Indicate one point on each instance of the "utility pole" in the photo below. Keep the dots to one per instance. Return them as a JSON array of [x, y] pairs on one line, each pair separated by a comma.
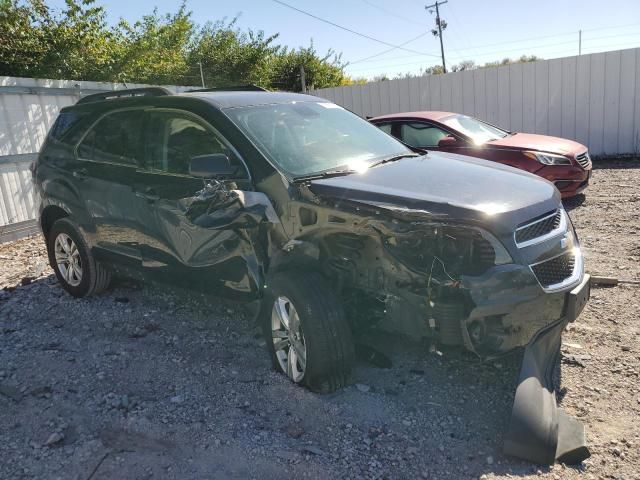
[[579, 42], [303, 80], [201, 75], [441, 26]]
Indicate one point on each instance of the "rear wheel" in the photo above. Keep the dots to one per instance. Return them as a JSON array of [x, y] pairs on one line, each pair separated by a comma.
[[306, 332], [72, 261]]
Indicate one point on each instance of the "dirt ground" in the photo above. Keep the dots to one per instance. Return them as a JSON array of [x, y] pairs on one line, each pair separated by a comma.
[[147, 382]]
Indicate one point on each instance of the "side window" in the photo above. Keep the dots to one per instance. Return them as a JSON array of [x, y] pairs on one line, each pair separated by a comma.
[[63, 124], [175, 138], [116, 138], [418, 134], [385, 127]]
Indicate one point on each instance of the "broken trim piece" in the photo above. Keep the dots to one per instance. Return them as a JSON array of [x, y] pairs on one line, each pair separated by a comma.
[[538, 430]]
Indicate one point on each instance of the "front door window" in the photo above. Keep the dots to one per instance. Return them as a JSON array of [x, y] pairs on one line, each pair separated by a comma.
[[419, 134]]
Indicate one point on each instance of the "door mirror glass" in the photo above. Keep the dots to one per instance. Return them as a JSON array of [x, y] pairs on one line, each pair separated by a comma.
[[448, 141], [211, 166]]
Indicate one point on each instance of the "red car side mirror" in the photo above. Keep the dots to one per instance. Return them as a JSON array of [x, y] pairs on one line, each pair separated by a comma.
[[448, 141]]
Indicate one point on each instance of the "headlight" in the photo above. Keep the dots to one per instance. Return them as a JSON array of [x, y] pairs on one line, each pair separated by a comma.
[[548, 158]]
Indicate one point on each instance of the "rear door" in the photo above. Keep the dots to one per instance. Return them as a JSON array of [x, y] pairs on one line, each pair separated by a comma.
[[178, 247], [109, 155]]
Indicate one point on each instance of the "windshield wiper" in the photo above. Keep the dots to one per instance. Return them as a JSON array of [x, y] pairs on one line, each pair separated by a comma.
[[325, 174], [394, 158]]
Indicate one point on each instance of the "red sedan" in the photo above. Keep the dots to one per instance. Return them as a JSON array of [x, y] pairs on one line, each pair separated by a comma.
[[564, 162]]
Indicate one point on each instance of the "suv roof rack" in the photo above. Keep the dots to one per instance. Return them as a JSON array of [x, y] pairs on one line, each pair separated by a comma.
[[132, 92], [232, 88]]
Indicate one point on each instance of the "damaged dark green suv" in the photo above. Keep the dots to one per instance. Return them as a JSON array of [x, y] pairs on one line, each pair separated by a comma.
[[327, 224]]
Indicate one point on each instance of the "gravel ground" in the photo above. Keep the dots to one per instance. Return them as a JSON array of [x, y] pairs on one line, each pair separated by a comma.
[[148, 382]]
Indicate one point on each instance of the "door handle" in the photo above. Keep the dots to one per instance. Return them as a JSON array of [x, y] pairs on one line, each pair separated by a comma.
[[80, 173], [149, 195]]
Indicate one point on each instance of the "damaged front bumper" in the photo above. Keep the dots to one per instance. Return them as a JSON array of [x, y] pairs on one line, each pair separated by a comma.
[[539, 431], [510, 309]]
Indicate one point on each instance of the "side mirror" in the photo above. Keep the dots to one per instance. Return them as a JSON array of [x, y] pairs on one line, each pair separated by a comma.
[[448, 141], [211, 166]]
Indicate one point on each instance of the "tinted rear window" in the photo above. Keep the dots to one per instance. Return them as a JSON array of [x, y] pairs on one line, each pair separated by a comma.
[[63, 124]]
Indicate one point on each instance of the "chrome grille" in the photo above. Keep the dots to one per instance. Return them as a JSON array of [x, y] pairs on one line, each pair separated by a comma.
[[584, 160], [555, 270], [533, 231]]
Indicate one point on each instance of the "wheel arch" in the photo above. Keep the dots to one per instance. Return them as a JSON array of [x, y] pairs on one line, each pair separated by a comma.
[[50, 214]]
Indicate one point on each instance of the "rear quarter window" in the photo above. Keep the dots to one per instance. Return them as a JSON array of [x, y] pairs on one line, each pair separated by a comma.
[[385, 127], [63, 125]]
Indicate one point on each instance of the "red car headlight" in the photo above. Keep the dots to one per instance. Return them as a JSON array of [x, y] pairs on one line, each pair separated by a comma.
[[548, 158]]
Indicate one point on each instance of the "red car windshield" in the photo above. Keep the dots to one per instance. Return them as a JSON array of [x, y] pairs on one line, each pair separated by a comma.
[[479, 131]]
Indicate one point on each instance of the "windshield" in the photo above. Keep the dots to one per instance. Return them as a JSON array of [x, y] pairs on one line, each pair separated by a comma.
[[304, 138], [479, 131]]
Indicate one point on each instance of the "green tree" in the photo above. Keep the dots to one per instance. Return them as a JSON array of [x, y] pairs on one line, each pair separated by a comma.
[[155, 49], [22, 45], [320, 72], [230, 56], [73, 43], [77, 43]]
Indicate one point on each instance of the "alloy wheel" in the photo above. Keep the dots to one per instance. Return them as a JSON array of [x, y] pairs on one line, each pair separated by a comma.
[[68, 259], [288, 339]]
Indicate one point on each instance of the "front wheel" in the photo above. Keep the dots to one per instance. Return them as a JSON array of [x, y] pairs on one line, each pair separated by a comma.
[[306, 332]]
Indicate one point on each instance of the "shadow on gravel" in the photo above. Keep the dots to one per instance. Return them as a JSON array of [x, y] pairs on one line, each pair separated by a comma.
[[574, 202], [180, 368], [616, 163]]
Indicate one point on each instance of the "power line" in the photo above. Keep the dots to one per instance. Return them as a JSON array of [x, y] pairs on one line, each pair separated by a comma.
[[476, 47], [352, 31], [585, 39], [498, 53], [548, 36], [555, 51], [393, 14], [391, 49], [459, 24]]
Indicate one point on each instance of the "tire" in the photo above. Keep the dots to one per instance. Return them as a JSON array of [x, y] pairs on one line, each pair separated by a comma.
[[93, 277], [324, 333]]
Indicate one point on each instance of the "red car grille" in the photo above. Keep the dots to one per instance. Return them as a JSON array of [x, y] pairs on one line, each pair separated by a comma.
[[584, 160]]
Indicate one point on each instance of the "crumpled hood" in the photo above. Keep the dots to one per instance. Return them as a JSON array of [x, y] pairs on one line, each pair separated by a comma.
[[444, 184], [542, 143]]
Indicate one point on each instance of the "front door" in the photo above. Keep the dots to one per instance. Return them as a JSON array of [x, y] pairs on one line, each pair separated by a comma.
[[187, 239]]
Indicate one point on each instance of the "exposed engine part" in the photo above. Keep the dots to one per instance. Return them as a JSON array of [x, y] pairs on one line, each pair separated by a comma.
[[448, 318], [466, 251], [362, 310]]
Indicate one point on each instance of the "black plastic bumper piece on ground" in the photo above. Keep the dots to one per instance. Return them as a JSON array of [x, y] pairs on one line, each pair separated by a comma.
[[539, 431]]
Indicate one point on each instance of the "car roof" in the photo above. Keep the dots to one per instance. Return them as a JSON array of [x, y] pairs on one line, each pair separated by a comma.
[[423, 115], [221, 99], [236, 99]]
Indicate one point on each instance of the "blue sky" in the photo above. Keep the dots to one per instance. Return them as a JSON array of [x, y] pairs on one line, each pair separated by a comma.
[[477, 30]]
